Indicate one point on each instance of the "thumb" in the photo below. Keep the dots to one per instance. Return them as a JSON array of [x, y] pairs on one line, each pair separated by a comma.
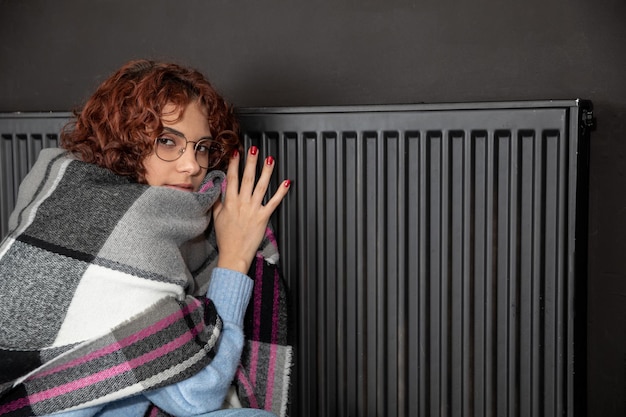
[[217, 207]]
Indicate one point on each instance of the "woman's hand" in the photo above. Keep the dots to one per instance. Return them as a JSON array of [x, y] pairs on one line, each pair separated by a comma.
[[241, 220]]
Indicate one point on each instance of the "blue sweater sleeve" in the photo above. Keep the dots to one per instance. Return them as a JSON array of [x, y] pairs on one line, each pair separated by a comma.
[[205, 391]]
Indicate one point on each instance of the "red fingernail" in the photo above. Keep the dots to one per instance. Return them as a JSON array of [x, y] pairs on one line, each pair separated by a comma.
[[235, 153], [287, 183], [269, 160], [254, 150]]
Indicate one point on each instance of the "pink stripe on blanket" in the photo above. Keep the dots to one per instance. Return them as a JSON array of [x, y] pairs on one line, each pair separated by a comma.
[[154, 412], [254, 358], [256, 327], [270, 236], [142, 334], [206, 187], [245, 382], [258, 297], [275, 309], [102, 375]]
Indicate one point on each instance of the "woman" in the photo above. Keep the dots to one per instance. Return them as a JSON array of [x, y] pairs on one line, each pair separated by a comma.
[[111, 252]]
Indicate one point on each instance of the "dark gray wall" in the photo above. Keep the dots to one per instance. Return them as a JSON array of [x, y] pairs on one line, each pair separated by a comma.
[[318, 52]]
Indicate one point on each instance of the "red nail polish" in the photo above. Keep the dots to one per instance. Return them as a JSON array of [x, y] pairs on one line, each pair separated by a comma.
[[235, 153], [254, 150], [269, 160], [287, 183]]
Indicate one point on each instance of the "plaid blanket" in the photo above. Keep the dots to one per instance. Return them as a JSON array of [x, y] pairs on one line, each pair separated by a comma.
[[101, 292]]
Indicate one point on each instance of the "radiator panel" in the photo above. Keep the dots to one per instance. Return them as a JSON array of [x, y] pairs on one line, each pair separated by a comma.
[[433, 272], [432, 254]]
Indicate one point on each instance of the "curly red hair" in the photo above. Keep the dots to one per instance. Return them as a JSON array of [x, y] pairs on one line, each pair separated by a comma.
[[117, 126]]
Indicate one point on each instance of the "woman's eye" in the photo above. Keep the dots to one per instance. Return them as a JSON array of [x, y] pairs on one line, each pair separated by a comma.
[[209, 148], [165, 141], [202, 148]]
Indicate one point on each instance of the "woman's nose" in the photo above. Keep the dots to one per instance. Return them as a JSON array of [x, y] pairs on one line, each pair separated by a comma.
[[187, 161]]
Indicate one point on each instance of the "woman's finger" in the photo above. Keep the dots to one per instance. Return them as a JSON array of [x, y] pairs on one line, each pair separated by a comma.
[[264, 179], [249, 173], [232, 176], [217, 208], [278, 196]]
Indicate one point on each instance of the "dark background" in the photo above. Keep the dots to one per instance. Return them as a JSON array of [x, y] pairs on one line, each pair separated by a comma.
[[332, 52]]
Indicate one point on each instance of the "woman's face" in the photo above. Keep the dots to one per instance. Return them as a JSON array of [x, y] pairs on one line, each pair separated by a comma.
[[184, 173]]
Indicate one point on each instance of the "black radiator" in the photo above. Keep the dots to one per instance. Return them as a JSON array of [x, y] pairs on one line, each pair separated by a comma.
[[435, 254]]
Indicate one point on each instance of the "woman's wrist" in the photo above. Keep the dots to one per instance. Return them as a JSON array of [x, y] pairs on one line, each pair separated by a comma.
[[233, 264]]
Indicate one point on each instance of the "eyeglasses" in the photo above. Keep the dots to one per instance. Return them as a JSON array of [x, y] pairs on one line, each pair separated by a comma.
[[170, 147]]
